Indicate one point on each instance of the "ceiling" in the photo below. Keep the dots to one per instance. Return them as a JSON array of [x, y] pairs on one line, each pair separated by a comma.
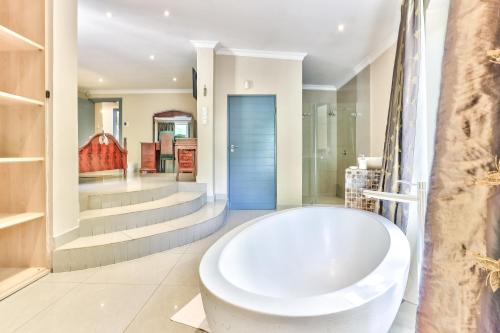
[[114, 52]]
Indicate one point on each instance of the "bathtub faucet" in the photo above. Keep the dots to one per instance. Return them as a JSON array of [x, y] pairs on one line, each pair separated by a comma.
[[413, 233], [419, 198]]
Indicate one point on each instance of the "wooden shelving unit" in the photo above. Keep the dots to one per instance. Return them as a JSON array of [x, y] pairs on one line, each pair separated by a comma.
[[24, 256]]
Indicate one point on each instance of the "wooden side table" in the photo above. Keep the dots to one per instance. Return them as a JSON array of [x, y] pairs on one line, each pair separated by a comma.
[[148, 157], [185, 156]]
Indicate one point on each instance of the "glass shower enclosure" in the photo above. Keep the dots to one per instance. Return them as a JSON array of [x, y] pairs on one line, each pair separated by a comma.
[[328, 148]]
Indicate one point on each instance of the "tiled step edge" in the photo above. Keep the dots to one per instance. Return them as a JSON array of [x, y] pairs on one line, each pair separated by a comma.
[[121, 198], [140, 218], [121, 246]]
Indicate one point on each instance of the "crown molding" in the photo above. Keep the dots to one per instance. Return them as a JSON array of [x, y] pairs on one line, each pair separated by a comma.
[[321, 87], [137, 91], [208, 44], [262, 54], [370, 58]]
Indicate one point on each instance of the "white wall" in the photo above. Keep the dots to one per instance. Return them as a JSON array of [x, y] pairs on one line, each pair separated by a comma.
[[282, 78], [380, 92], [205, 59], [63, 143], [138, 110]]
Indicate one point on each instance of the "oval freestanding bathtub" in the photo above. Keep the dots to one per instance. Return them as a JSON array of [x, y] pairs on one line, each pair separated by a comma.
[[311, 269]]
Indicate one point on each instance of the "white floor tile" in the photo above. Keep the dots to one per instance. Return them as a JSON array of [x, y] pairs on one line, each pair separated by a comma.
[[155, 316], [185, 272], [147, 270], [203, 244], [28, 302], [92, 308], [75, 276]]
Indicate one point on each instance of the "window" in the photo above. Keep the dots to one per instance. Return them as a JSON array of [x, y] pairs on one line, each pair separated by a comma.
[[181, 130]]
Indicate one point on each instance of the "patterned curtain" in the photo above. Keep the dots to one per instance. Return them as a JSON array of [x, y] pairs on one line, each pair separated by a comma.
[[400, 130], [463, 216]]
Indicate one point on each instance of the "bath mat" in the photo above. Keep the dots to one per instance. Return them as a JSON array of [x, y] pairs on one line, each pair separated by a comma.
[[192, 314]]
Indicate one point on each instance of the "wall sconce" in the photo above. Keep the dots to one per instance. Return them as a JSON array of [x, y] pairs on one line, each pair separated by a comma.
[[247, 84]]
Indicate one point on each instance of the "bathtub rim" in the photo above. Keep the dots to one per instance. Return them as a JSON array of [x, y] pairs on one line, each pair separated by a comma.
[[395, 263]]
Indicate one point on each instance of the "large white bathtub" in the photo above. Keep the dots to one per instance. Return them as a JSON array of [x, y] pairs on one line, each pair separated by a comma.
[[315, 269]]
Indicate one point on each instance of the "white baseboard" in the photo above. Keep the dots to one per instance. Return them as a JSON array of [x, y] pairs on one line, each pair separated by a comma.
[[220, 196]]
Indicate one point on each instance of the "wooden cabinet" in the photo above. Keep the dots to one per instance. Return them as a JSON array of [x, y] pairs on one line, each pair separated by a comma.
[[186, 160], [24, 255], [185, 156], [148, 157]]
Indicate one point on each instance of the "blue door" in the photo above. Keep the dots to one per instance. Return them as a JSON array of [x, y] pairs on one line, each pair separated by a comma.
[[252, 152]]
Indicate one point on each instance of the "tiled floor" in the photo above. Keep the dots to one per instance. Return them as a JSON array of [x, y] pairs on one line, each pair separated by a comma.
[[135, 296]]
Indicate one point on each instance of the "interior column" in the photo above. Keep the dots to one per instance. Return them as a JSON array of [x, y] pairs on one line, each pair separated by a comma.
[[63, 126], [205, 114]]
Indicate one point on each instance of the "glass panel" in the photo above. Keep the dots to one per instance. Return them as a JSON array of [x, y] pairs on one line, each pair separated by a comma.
[[346, 137], [307, 154], [322, 133]]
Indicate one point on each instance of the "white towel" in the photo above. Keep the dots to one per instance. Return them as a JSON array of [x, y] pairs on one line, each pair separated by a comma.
[[192, 314]]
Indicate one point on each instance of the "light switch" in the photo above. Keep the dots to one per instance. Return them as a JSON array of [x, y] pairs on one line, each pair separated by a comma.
[[204, 115]]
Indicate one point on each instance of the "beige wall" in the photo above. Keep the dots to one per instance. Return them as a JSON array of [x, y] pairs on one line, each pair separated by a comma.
[[310, 97], [63, 143], [138, 110], [370, 90], [380, 92], [363, 119], [282, 78], [347, 132]]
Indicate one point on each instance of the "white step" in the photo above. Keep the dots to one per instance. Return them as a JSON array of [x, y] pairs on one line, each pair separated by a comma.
[[98, 196], [107, 220], [105, 249]]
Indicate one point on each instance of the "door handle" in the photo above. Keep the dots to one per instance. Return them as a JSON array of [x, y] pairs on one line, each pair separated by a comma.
[[233, 147]]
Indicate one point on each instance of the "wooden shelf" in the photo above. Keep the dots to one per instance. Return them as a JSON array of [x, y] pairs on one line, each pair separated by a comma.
[[5, 160], [7, 99], [24, 254], [10, 220], [14, 279], [12, 41]]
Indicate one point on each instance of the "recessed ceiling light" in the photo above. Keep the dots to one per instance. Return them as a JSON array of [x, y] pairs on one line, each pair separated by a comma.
[[340, 27], [109, 15], [166, 13], [101, 80], [152, 57], [174, 79]]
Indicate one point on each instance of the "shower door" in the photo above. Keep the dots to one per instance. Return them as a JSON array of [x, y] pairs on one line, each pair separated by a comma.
[[329, 139]]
